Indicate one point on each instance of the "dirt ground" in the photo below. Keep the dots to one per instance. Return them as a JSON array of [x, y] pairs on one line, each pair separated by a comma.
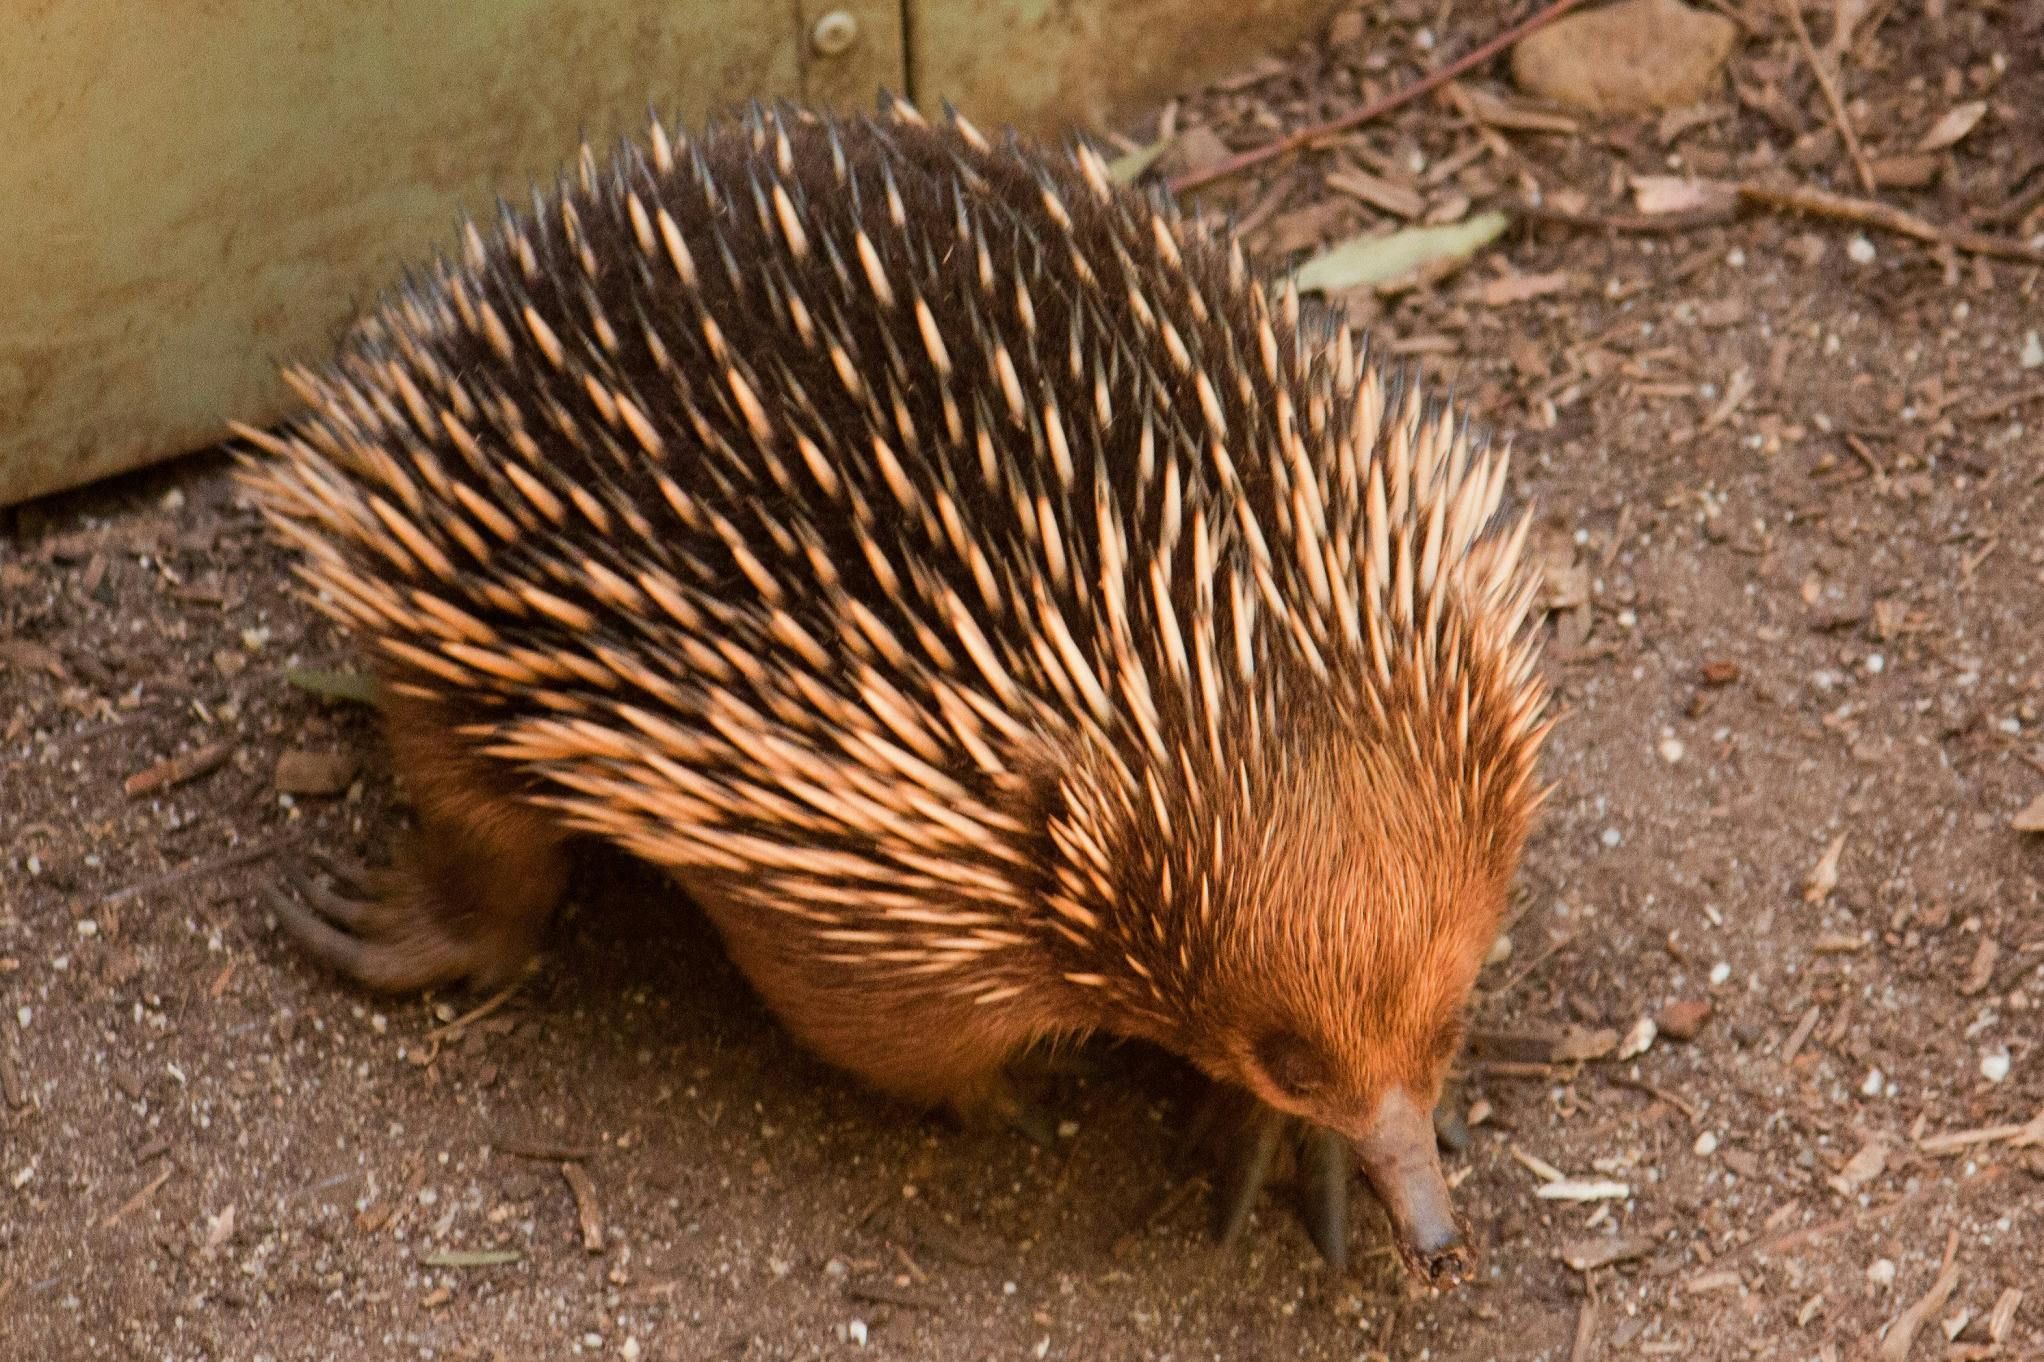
[[1792, 480]]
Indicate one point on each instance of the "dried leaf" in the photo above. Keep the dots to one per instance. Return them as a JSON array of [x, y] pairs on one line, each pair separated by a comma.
[[1957, 122], [1823, 877], [1373, 260], [1861, 1168]]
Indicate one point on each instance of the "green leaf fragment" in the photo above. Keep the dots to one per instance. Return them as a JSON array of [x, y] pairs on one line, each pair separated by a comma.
[[470, 1258], [1375, 259], [1129, 167], [358, 687]]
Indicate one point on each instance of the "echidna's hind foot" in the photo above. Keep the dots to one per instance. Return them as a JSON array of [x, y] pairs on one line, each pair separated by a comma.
[[451, 910], [1001, 1103]]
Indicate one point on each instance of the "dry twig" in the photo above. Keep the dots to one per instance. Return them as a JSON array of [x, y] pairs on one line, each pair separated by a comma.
[[1355, 118], [1831, 99]]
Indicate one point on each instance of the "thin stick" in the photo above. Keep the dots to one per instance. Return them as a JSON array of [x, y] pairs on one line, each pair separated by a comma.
[[1831, 99], [204, 865], [1888, 218], [1241, 161]]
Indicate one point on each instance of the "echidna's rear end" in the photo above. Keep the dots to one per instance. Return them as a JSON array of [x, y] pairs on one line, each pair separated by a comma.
[[996, 610]]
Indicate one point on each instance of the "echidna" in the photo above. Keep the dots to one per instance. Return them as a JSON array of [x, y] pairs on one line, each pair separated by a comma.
[[1007, 618]]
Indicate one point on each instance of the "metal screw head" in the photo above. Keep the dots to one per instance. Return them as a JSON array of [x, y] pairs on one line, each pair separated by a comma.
[[834, 33]]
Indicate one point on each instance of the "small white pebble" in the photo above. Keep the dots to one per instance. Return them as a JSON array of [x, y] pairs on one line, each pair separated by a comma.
[[856, 1332], [1859, 250], [1707, 1143], [1720, 972], [1881, 1272], [1500, 950], [378, 1023], [87, 927], [2033, 351], [1638, 1040], [1875, 664], [1672, 749], [1736, 258], [1994, 1065], [1611, 837], [1873, 1083], [630, 1350], [1009, 1288], [836, 1269], [592, 1341], [1043, 1346], [24, 1015]]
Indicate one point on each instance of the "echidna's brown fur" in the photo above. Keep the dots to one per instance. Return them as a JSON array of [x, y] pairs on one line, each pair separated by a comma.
[[1002, 614]]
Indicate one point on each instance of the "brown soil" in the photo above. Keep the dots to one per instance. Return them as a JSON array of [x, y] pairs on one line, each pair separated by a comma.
[[1795, 521]]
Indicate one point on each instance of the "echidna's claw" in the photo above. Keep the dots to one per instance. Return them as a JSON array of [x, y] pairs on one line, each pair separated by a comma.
[[313, 928], [347, 905], [1325, 1164], [1251, 1148], [1248, 1144]]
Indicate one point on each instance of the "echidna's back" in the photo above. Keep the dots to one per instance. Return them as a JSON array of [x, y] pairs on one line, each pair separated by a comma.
[[662, 430]]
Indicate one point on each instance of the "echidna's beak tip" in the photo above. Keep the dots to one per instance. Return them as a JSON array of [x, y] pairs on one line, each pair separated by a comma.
[[1404, 1167]]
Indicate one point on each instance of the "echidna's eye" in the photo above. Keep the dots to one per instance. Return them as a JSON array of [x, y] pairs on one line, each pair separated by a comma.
[[1292, 1063]]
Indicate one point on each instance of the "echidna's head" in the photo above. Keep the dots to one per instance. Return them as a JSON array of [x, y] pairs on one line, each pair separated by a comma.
[[1307, 918]]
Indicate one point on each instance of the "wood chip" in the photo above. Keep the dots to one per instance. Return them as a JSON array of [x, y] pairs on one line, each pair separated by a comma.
[[1823, 878], [1602, 1250], [2001, 1321], [1725, 1280], [1378, 192], [22, 655], [1980, 972], [1519, 288], [1583, 1189], [1901, 1334], [587, 1213], [176, 770], [1869, 1163], [1801, 1034], [1684, 1019], [2031, 819]]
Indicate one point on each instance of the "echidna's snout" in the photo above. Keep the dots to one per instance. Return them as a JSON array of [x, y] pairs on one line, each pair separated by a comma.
[[1404, 1167]]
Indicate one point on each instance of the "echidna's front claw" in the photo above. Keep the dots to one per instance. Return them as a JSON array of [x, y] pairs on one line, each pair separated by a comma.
[[310, 916], [1325, 1165], [1244, 1140], [361, 929], [1250, 1150]]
